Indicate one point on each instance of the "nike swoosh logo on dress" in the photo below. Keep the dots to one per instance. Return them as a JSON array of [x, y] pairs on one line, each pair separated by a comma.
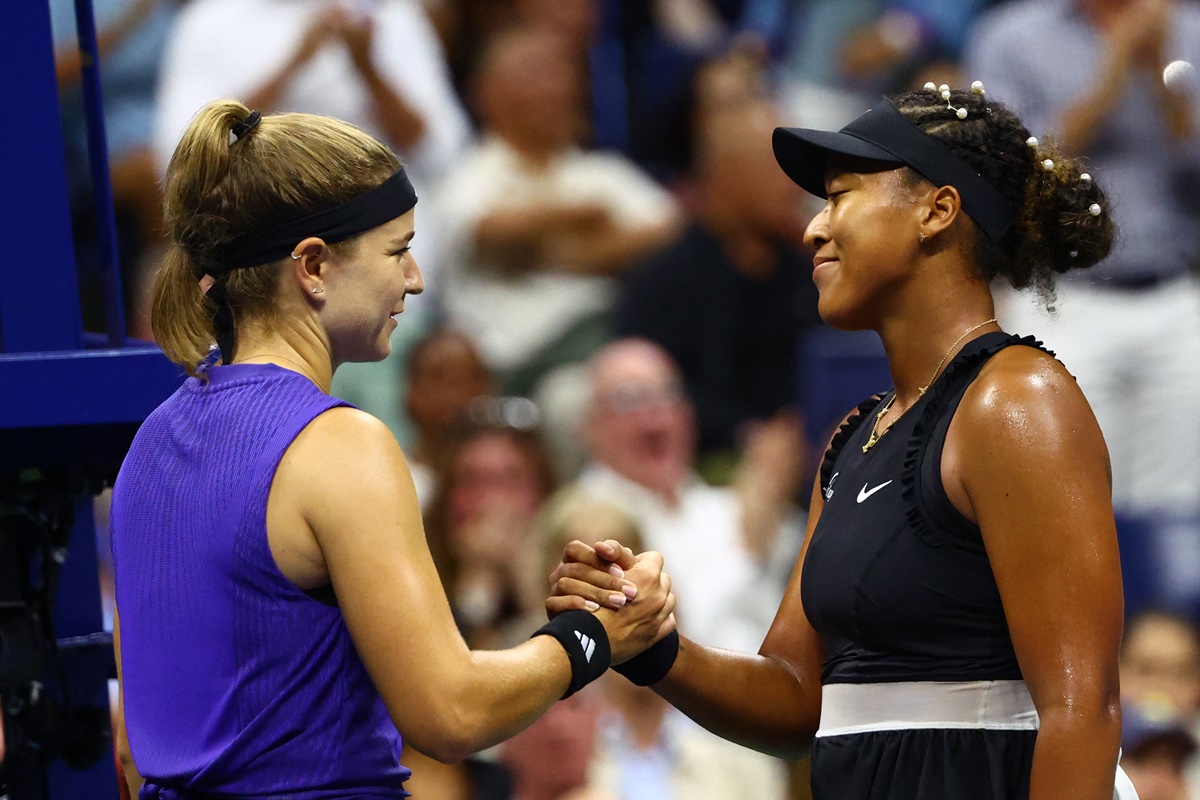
[[863, 494]]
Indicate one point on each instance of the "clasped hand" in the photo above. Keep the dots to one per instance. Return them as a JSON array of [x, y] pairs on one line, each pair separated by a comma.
[[630, 594]]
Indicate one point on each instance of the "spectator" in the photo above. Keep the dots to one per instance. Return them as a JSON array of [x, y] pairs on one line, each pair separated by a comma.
[[1089, 72], [377, 65], [731, 297], [534, 227], [640, 434], [1160, 663], [1160, 672], [1156, 748], [550, 759], [445, 373], [492, 483]]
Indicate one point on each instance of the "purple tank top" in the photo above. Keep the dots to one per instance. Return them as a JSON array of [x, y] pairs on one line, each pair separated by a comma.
[[236, 682]]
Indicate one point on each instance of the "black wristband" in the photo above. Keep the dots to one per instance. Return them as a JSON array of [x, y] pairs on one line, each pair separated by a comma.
[[586, 643], [652, 665]]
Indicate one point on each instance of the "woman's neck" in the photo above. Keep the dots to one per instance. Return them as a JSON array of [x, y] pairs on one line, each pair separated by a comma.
[[923, 340], [297, 351]]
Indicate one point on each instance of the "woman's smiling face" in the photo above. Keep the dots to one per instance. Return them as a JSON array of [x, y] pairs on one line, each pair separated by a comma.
[[367, 288], [861, 240]]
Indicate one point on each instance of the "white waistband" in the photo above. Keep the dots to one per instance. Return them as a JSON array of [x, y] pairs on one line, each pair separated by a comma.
[[848, 708]]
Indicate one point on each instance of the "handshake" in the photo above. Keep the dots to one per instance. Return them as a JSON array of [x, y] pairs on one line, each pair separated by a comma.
[[610, 607]]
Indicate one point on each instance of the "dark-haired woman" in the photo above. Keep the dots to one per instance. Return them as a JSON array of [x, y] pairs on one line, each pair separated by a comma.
[[952, 626], [280, 616]]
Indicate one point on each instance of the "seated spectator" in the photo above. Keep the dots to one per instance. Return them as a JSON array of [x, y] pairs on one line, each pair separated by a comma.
[[444, 374], [640, 435], [533, 227], [551, 759], [1160, 671], [378, 65], [1160, 663], [1155, 750], [490, 486], [730, 298]]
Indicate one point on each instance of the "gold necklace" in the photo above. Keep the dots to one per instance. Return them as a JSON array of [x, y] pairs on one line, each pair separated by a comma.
[[293, 362], [875, 434]]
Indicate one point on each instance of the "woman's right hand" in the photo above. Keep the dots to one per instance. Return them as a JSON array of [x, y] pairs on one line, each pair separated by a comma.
[[645, 619], [608, 578]]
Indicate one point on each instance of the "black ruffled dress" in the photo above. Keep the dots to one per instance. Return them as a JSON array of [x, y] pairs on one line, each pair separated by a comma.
[[899, 586]]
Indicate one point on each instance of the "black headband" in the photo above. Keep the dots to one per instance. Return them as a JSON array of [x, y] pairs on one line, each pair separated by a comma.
[[390, 199], [885, 135]]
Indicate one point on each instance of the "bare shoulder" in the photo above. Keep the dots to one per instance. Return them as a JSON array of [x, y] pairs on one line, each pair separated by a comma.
[[1021, 386], [346, 434], [345, 447], [1026, 408]]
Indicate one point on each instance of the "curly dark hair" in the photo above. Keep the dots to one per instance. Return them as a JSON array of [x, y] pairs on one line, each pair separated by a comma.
[[1054, 231]]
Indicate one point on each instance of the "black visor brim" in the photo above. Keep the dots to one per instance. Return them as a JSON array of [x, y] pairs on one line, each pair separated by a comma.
[[803, 154]]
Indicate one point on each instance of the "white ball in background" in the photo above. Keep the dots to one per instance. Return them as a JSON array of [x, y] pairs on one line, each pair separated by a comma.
[[1180, 76]]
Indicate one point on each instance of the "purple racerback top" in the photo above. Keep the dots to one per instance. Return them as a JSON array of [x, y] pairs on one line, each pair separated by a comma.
[[236, 683]]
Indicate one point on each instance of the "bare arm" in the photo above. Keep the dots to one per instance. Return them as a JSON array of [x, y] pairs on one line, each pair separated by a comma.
[[323, 26], [124, 754], [404, 125], [348, 480], [1026, 457], [580, 238], [771, 701]]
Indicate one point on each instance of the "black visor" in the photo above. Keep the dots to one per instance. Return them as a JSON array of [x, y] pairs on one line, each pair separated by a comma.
[[885, 136]]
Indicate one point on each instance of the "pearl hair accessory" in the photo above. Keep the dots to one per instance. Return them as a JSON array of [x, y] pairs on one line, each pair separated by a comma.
[[944, 91], [1048, 165], [1074, 254], [1032, 141], [977, 87], [1095, 209], [1085, 178]]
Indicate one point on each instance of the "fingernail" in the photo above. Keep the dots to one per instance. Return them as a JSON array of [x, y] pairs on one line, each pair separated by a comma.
[[630, 590], [616, 571], [590, 606], [617, 600]]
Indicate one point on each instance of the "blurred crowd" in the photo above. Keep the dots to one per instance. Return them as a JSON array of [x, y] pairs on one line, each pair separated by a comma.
[[620, 337]]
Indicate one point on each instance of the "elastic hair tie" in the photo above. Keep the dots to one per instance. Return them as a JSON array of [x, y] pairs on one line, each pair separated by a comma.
[[240, 129]]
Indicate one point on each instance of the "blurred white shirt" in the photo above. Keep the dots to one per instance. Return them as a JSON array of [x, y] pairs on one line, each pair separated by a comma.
[[512, 317], [230, 48]]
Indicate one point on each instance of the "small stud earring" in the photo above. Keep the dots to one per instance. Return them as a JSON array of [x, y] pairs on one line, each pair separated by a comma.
[[921, 237], [317, 290]]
